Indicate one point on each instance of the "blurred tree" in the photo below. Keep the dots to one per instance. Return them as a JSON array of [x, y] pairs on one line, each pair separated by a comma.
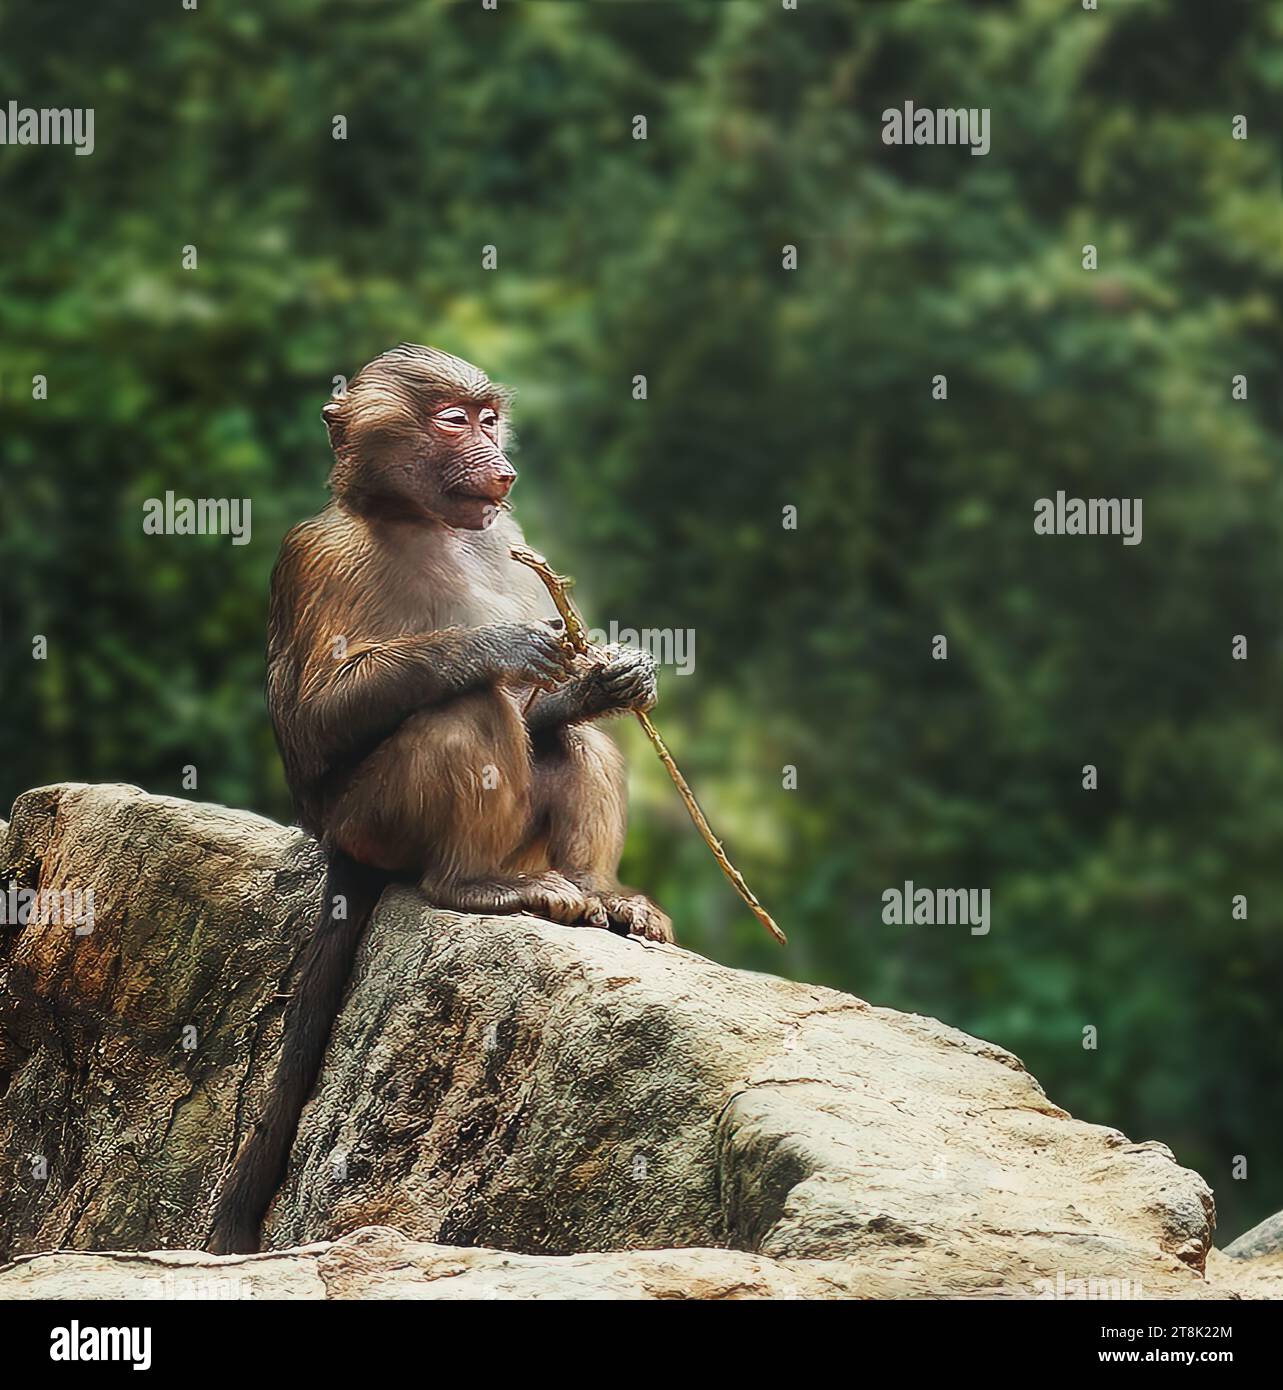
[[767, 388]]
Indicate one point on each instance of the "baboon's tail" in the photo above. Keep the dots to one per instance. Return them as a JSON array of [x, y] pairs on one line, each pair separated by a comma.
[[351, 892]]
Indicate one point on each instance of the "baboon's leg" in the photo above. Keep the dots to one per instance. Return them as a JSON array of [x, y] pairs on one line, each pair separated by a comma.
[[449, 796], [580, 795]]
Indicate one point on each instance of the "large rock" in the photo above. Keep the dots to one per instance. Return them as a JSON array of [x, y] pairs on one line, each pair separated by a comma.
[[544, 1090], [376, 1262], [133, 1057], [509, 1083], [381, 1263]]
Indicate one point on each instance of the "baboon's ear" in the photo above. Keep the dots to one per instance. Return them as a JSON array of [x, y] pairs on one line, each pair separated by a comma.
[[332, 414]]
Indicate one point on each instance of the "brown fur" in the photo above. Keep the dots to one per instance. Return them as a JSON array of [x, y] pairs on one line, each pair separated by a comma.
[[425, 710]]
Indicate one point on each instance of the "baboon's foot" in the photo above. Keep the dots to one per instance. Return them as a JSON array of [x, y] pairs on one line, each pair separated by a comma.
[[548, 895], [635, 915], [554, 896]]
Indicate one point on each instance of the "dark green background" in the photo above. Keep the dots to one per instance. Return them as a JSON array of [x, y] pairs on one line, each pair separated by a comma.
[[767, 388]]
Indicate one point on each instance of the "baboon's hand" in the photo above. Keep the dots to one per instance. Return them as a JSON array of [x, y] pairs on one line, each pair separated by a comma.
[[530, 653], [626, 681]]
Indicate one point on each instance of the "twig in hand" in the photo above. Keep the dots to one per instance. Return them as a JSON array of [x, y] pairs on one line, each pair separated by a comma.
[[558, 586]]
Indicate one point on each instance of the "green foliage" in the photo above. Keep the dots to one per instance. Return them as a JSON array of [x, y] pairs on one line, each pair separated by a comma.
[[767, 388]]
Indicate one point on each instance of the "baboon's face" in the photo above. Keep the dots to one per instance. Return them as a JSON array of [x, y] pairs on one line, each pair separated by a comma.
[[420, 435], [467, 468]]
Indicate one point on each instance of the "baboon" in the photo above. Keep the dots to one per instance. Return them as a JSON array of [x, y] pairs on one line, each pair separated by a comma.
[[431, 719]]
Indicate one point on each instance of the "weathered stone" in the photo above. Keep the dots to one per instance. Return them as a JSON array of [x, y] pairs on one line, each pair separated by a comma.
[[380, 1263], [132, 1058], [511, 1083], [1260, 1277], [1265, 1238], [504, 1082]]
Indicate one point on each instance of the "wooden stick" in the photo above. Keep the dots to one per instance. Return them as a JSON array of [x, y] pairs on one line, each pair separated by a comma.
[[558, 586]]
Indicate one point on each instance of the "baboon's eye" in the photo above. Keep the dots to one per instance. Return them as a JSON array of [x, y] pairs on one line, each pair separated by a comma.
[[453, 417], [489, 419]]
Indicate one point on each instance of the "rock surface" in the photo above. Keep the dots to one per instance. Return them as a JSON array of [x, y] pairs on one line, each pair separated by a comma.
[[1236, 1278], [1266, 1238], [503, 1082], [132, 1057], [376, 1262], [379, 1263]]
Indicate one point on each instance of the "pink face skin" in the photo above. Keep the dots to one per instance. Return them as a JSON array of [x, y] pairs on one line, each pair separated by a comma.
[[480, 477]]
